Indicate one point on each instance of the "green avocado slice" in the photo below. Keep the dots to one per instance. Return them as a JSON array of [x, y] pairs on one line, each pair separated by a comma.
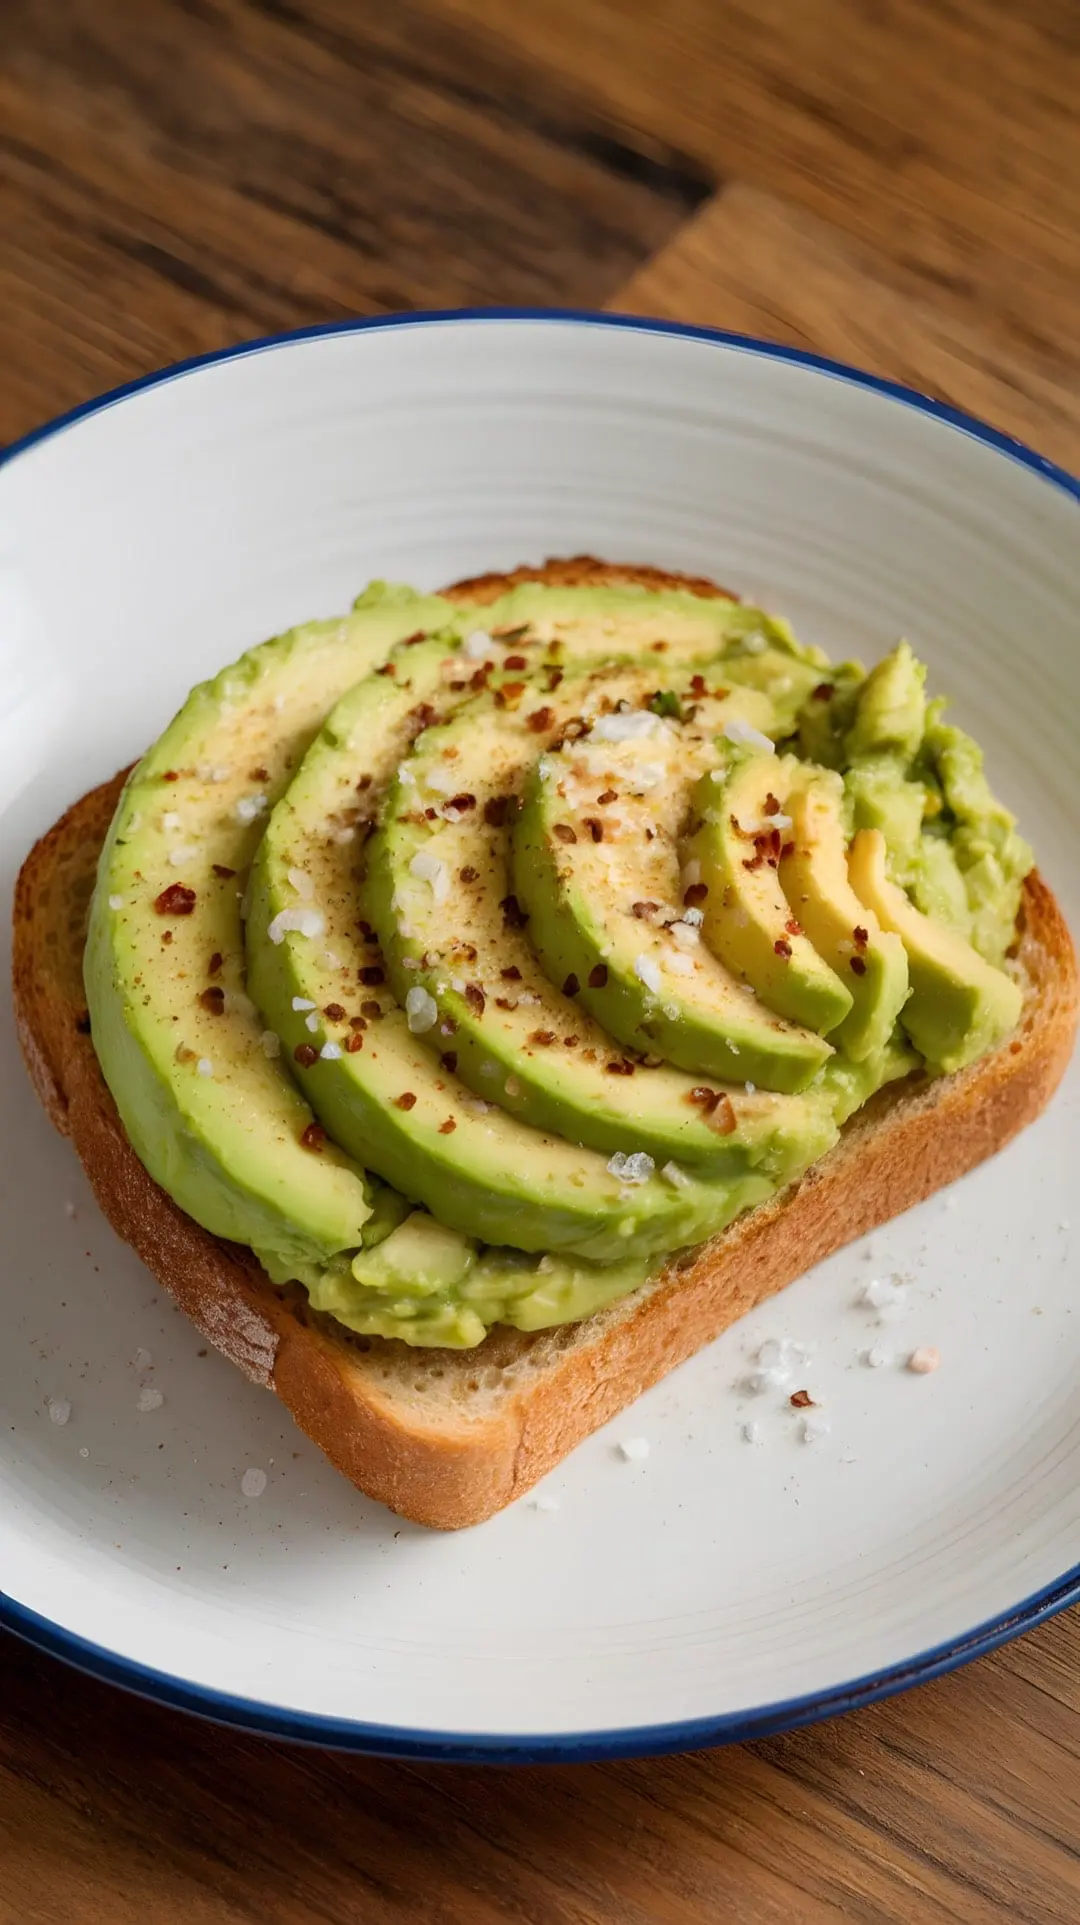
[[391, 1097], [749, 923], [814, 878], [525, 1042], [960, 1006], [602, 886], [196, 1075]]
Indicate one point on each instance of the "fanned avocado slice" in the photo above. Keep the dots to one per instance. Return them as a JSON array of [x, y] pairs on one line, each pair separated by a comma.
[[391, 1096], [814, 878], [960, 1006], [749, 923], [596, 866], [519, 1039], [196, 1076]]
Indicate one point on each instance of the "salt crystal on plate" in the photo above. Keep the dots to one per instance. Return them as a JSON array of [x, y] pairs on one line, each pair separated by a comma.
[[59, 1410], [149, 1399], [634, 1449], [253, 1482], [923, 1360]]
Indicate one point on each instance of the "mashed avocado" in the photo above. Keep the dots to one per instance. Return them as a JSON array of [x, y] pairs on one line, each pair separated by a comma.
[[467, 964]]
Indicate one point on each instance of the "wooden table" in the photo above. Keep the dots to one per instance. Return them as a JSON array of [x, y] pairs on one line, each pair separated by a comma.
[[892, 181]]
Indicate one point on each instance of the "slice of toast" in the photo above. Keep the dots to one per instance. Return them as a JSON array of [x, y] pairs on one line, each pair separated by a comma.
[[449, 1437]]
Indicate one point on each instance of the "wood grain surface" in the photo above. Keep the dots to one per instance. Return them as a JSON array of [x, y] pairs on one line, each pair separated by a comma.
[[896, 182]]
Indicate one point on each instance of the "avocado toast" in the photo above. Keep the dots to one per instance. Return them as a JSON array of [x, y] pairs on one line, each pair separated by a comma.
[[379, 861]]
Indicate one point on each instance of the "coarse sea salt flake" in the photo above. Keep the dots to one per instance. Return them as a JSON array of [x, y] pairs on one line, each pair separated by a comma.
[[302, 883], [253, 1482], [142, 1359], [738, 730], [311, 1022], [250, 806], [330, 1052], [678, 963], [632, 725], [427, 867], [634, 1449], [635, 1167], [204, 1066], [116, 902], [170, 820], [676, 1176], [924, 1360], [182, 855], [148, 1399], [647, 971], [421, 1010], [59, 1410], [477, 645], [302, 1002], [299, 922]]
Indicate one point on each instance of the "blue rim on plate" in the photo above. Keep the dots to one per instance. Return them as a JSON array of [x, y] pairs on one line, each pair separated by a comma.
[[551, 1748]]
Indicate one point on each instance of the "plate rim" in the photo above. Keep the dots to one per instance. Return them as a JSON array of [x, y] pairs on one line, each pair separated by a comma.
[[399, 1741]]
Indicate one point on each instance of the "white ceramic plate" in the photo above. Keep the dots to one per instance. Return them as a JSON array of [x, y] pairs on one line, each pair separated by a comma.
[[719, 1588]]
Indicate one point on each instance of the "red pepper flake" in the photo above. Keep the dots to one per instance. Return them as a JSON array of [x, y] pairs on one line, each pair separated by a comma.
[[372, 975], [801, 1400], [697, 685], [754, 862], [313, 1137], [364, 783], [788, 849], [609, 795], [388, 668], [305, 1054], [823, 691], [479, 678], [214, 965], [782, 947], [462, 802], [770, 806], [694, 893], [622, 1066], [509, 695], [860, 937], [506, 1002], [406, 1101], [419, 718], [448, 1059], [514, 661], [176, 900], [448, 1128], [543, 1038], [571, 985], [553, 676], [353, 1043], [564, 832], [598, 976], [643, 910], [167, 936], [658, 648], [430, 814], [594, 826], [541, 719], [468, 874], [571, 1042], [793, 926], [221, 869], [511, 974], [213, 1000], [466, 949], [372, 1010], [475, 997], [514, 916], [411, 640], [495, 810], [703, 1098], [259, 775], [334, 1013], [171, 775], [723, 1118], [359, 1022], [858, 965]]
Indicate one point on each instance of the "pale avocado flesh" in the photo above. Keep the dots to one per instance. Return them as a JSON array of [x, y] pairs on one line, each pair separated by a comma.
[[548, 1197]]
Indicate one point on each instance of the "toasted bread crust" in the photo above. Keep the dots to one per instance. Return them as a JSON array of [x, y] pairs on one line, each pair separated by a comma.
[[454, 1458]]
